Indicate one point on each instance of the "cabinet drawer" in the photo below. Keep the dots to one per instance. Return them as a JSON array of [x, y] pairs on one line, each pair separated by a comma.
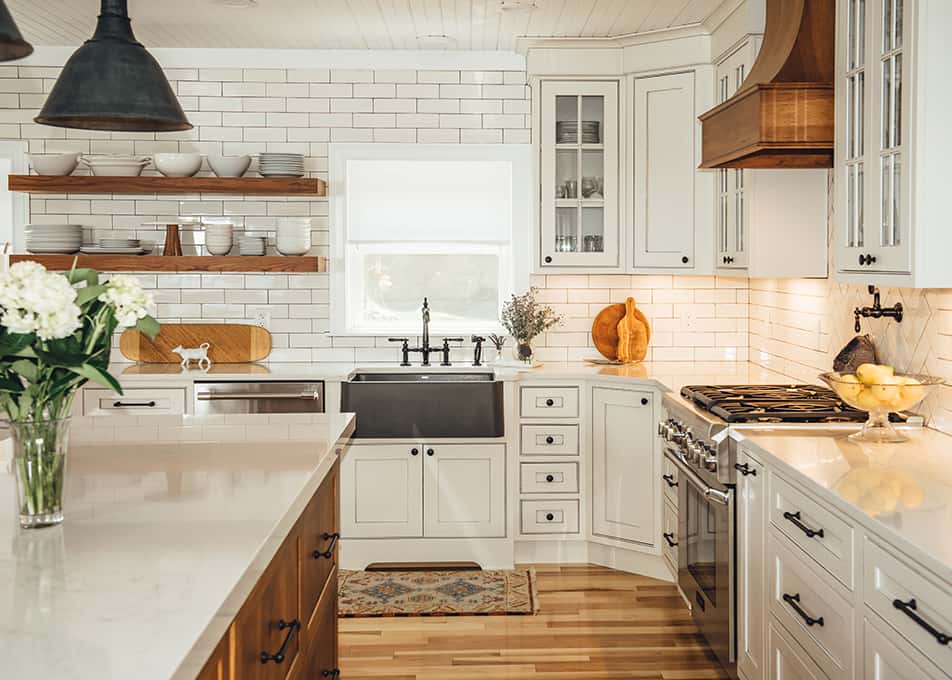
[[550, 517], [319, 659], [890, 586], [134, 402], [550, 440], [888, 657], [669, 534], [822, 533], [550, 402], [320, 530], [805, 600], [669, 481], [787, 661], [269, 618], [548, 478]]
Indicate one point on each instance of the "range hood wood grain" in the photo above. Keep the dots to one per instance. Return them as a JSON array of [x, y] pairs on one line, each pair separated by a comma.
[[783, 114]]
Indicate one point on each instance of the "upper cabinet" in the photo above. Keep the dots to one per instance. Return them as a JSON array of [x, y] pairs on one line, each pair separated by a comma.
[[893, 142], [579, 174]]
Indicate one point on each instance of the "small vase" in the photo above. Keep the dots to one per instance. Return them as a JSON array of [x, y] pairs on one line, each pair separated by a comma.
[[39, 455], [523, 351]]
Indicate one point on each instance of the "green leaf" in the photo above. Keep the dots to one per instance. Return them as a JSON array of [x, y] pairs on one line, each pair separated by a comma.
[[61, 358], [11, 385], [148, 326], [25, 368], [97, 375], [89, 293], [89, 276], [12, 343]]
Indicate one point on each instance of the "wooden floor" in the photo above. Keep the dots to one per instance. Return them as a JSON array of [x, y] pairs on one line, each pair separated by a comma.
[[594, 623]]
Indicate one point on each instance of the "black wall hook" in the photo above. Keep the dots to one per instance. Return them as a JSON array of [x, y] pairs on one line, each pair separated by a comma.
[[877, 311]]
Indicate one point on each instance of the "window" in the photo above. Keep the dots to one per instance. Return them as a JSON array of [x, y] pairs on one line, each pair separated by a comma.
[[13, 207], [450, 223]]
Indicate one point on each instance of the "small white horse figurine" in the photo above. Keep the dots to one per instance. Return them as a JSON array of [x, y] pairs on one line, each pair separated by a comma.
[[199, 354]]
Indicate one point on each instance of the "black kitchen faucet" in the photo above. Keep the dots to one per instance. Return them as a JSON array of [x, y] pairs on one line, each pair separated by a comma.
[[425, 348]]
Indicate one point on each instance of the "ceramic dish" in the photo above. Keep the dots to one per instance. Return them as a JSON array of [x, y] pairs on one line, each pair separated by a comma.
[[54, 164], [229, 166], [178, 164]]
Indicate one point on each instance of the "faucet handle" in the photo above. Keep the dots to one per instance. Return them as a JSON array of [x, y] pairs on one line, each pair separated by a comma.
[[398, 339], [477, 338], [452, 339]]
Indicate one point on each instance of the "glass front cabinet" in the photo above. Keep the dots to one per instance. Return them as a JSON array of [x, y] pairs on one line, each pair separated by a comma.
[[731, 214], [579, 174]]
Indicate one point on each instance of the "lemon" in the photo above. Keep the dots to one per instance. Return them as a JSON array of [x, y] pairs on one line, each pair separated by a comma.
[[873, 374], [848, 387]]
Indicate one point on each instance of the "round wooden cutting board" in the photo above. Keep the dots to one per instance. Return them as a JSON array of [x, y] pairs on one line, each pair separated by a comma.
[[605, 329]]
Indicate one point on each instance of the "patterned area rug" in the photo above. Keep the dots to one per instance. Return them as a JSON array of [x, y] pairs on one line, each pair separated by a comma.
[[437, 593]]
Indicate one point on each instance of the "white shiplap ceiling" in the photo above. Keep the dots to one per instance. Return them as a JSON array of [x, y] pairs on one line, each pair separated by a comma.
[[356, 24]]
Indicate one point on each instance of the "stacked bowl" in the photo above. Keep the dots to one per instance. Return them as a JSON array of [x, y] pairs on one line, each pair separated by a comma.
[[218, 237], [293, 235], [251, 245], [281, 165], [54, 238], [116, 165]]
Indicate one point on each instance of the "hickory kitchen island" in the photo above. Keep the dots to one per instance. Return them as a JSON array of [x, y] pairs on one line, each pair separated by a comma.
[[193, 547]]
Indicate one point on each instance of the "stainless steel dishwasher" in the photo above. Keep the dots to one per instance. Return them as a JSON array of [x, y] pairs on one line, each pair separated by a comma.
[[258, 397]]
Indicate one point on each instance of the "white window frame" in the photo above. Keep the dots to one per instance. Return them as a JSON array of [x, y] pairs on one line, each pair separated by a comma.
[[12, 227], [518, 155]]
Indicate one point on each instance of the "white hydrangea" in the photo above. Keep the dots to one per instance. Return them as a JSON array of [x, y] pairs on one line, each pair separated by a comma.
[[131, 303], [34, 300]]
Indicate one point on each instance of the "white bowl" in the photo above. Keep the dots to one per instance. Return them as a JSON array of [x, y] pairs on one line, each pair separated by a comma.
[[218, 248], [178, 164], [55, 164], [118, 166], [229, 166]]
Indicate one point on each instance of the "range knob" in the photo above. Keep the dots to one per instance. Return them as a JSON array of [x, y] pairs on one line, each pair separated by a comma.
[[696, 453], [710, 460]]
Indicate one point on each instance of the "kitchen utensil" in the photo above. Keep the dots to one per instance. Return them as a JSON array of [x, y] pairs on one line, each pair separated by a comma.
[[281, 165], [54, 164], [592, 243], [178, 164], [251, 245], [173, 241], [100, 250], [571, 189], [229, 166], [588, 187], [116, 166], [230, 343], [605, 329]]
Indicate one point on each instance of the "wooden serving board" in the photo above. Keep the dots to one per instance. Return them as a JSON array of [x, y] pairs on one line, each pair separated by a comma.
[[605, 329], [230, 343]]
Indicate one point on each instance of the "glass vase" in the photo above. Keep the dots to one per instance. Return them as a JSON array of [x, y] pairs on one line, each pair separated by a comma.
[[523, 351], [39, 457]]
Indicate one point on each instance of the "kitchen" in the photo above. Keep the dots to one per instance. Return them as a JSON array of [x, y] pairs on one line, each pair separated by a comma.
[[677, 515]]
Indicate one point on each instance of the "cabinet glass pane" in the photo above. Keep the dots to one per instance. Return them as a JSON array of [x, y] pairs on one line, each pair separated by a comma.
[[896, 201], [593, 120], [723, 196], [855, 111], [892, 199], [592, 186], [566, 173], [566, 230], [886, 215], [897, 31], [566, 120], [888, 39], [593, 230], [897, 101], [888, 108], [854, 205], [739, 206]]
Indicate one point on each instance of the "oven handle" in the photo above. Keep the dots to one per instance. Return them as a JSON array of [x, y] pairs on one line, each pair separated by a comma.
[[251, 396], [711, 493]]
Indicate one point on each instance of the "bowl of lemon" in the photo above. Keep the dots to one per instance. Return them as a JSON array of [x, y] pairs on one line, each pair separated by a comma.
[[879, 390]]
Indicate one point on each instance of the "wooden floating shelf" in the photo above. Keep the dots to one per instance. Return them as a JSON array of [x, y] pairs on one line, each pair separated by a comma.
[[184, 263], [153, 184]]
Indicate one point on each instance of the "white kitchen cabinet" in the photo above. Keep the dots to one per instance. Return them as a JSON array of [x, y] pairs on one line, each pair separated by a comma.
[[890, 657], [751, 567], [625, 465], [464, 491], [579, 174], [133, 402], [381, 491], [893, 142], [787, 660]]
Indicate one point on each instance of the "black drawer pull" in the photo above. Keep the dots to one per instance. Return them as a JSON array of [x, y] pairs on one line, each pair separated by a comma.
[[909, 609], [669, 480], [794, 601], [549, 516], [550, 439], [550, 478], [745, 469], [644, 401], [794, 518], [430, 452], [414, 452], [329, 553], [550, 402], [331, 674], [133, 404], [278, 657], [669, 537]]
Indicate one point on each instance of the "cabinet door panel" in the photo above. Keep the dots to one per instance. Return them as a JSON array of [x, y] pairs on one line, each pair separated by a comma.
[[321, 655], [318, 525], [382, 492], [665, 166], [751, 574], [625, 490], [889, 657], [464, 491]]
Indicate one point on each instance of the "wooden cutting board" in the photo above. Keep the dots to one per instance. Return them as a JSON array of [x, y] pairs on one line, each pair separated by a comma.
[[230, 343], [605, 329]]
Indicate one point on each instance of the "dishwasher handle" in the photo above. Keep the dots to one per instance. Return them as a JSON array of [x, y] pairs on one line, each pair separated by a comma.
[[255, 396]]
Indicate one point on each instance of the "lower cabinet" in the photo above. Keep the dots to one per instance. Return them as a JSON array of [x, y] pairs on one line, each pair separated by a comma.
[[424, 491], [787, 661], [218, 666], [751, 566], [625, 467], [890, 657]]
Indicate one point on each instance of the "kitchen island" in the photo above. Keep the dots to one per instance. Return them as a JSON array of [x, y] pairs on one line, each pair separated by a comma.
[[173, 526]]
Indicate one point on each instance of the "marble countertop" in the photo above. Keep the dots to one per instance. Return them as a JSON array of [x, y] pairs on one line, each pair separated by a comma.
[[912, 502], [170, 521]]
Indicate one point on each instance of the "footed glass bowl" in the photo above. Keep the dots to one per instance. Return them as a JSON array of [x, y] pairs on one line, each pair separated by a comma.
[[894, 394]]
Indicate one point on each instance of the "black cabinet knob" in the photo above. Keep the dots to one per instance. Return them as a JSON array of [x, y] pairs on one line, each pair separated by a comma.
[[550, 440], [414, 452], [867, 259], [685, 259], [550, 478], [644, 401], [550, 402], [549, 517], [548, 259], [430, 452]]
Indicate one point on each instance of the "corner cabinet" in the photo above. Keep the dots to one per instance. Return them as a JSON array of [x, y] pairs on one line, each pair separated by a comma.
[[579, 174], [893, 142], [751, 567]]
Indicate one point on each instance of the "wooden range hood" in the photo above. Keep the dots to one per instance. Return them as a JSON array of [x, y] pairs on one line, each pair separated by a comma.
[[782, 116]]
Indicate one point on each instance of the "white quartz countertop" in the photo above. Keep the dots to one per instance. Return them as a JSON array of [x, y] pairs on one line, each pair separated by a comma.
[[902, 492], [170, 521]]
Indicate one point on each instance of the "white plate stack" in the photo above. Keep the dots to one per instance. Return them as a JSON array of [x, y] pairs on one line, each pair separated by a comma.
[[566, 132], [294, 235], [218, 237], [116, 246], [54, 238], [251, 245], [281, 165]]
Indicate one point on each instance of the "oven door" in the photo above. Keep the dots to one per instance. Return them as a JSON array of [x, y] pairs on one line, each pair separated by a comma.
[[706, 560]]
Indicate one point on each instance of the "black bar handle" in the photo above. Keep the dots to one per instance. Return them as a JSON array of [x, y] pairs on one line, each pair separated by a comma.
[[794, 518], [331, 674], [794, 601], [909, 609], [669, 537], [329, 553], [669, 480], [745, 469], [133, 404], [293, 627]]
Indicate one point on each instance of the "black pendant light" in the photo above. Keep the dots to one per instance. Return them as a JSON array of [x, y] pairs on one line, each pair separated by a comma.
[[12, 44], [113, 83]]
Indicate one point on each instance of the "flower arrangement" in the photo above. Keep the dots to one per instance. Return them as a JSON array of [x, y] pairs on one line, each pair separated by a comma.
[[525, 318], [55, 335]]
